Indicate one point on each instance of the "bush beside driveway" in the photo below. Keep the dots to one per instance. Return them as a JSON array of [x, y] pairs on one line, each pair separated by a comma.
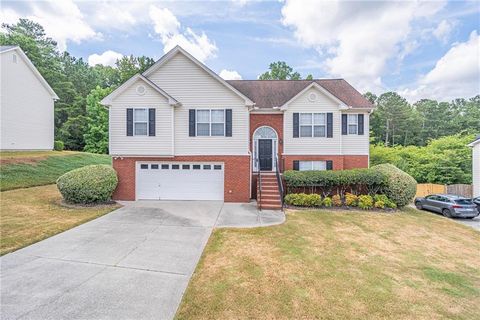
[[339, 265]]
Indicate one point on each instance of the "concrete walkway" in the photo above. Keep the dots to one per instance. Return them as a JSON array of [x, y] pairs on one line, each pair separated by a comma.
[[134, 263]]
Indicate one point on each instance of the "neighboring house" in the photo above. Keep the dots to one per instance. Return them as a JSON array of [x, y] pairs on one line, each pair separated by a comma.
[[179, 131], [26, 104], [476, 166]]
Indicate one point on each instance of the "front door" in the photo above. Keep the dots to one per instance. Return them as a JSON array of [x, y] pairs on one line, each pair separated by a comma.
[[265, 154]]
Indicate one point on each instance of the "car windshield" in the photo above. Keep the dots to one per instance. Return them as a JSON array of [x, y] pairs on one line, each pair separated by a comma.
[[463, 201]]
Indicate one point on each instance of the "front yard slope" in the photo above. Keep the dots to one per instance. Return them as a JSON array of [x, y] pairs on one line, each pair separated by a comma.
[[23, 170], [339, 265]]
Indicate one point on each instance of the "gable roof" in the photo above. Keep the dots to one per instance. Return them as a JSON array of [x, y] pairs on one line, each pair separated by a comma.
[[474, 142], [5, 49], [108, 99], [269, 94], [179, 49]]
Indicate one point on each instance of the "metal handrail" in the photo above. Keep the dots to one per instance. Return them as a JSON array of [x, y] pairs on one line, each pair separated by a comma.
[[259, 187], [279, 181]]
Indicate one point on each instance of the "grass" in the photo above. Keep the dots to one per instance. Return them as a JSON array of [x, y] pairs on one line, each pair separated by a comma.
[[28, 169], [33, 214], [339, 265]]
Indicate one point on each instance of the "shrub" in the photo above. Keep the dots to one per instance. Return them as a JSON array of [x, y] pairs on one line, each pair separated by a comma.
[[303, 200], [365, 202], [400, 187], [337, 200], [327, 202], [351, 200], [383, 198], [58, 145], [89, 184], [379, 204]]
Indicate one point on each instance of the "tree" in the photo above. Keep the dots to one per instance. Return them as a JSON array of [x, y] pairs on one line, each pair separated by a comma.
[[96, 136], [280, 71], [129, 66]]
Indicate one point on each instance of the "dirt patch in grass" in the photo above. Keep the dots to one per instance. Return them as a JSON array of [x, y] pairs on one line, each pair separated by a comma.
[[30, 157], [33, 214], [339, 265]]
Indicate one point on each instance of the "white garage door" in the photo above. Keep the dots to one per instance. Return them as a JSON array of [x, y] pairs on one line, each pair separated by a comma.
[[179, 181]]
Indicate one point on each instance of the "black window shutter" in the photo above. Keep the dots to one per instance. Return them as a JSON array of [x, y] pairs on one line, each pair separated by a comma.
[[191, 122], [329, 125], [296, 125], [129, 122], [228, 123], [296, 165], [151, 122], [344, 124], [360, 124], [329, 165]]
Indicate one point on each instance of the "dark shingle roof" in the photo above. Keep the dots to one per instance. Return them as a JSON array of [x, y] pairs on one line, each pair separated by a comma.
[[275, 93]]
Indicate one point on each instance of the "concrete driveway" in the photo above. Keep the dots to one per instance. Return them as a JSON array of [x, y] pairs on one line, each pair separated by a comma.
[[474, 223], [134, 263]]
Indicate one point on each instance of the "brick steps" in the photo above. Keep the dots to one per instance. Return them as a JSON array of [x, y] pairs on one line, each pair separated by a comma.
[[269, 198]]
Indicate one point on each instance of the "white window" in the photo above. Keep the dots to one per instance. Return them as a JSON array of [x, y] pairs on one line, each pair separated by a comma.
[[140, 122], [352, 123], [312, 165], [210, 122], [313, 124]]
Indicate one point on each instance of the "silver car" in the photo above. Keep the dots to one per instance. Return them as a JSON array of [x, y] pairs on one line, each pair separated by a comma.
[[449, 205]]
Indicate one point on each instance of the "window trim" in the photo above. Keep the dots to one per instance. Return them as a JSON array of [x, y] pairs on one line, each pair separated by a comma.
[[210, 122], [354, 116], [311, 165], [312, 125], [135, 122]]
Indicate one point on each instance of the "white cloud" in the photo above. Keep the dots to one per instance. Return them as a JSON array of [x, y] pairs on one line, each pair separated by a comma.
[[230, 75], [357, 39], [170, 31], [108, 58], [455, 75], [443, 30], [240, 3], [62, 20]]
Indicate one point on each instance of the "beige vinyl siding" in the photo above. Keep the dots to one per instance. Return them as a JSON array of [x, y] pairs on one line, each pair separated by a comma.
[[158, 145], [26, 107], [357, 144], [313, 145], [196, 89], [476, 169]]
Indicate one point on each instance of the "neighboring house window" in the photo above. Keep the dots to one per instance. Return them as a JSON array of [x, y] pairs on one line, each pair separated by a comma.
[[312, 165], [211, 122], [352, 124], [140, 122], [313, 124]]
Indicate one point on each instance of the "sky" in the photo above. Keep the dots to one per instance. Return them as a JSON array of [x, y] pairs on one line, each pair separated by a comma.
[[421, 49]]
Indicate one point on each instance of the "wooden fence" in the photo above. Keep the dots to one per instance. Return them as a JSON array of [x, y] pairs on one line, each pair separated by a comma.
[[424, 189]]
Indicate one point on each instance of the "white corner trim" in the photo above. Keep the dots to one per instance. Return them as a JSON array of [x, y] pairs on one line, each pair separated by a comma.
[[169, 55]]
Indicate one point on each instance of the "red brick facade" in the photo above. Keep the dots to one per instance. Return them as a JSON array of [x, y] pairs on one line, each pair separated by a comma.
[[237, 175], [339, 162], [272, 120]]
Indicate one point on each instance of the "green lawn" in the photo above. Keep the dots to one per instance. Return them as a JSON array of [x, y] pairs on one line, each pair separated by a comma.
[[33, 214], [339, 265], [28, 169]]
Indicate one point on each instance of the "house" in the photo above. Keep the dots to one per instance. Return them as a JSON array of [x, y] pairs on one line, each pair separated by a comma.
[[26, 104], [475, 145], [179, 131]]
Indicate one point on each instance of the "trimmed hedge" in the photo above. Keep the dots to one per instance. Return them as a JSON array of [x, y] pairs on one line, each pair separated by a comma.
[[401, 186], [386, 179], [365, 202], [89, 184]]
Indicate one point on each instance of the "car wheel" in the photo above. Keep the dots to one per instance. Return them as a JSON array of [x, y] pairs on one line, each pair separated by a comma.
[[447, 213], [419, 206]]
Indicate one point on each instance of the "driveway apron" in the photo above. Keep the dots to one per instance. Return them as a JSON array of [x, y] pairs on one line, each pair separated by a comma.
[[134, 263]]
